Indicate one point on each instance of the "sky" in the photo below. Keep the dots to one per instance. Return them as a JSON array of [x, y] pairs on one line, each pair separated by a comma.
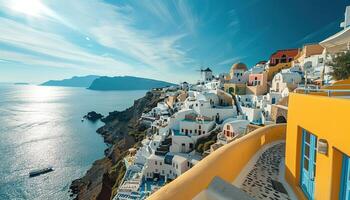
[[165, 40]]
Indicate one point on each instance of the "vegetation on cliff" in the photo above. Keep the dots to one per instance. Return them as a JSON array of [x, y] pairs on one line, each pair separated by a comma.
[[122, 130]]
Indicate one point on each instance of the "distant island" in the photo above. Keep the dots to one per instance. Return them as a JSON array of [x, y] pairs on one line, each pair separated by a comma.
[[106, 83], [76, 81], [126, 83], [21, 83]]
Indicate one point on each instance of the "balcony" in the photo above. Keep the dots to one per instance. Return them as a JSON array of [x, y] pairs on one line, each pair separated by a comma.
[[228, 163]]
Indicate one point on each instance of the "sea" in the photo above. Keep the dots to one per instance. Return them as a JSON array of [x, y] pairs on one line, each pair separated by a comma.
[[42, 126]]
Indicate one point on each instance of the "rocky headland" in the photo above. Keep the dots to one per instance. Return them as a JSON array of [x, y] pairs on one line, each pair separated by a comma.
[[122, 130], [93, 116]]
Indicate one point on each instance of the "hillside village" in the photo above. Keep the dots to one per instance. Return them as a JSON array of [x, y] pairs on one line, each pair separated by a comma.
[[194, 120]]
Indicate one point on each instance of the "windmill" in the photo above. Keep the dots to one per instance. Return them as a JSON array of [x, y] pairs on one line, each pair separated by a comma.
[[201, 70]]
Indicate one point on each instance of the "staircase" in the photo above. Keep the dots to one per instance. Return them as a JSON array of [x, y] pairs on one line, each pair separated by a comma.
[[163, 147], [238, 106]]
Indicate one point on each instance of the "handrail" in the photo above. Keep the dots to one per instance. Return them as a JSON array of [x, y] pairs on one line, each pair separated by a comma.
[[226, 162], [329, 92]]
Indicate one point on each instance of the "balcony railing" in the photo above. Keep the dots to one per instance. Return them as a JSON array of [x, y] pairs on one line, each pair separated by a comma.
[[324, 92]]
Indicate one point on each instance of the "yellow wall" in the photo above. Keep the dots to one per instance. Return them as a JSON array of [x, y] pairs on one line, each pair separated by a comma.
[[273, 70], [226, 162], [239, 88], [327, 118], [339, 85]]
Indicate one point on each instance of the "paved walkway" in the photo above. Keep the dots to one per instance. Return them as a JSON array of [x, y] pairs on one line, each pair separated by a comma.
[[260, 181]]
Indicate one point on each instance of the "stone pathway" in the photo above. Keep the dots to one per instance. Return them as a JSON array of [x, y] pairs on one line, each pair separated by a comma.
[[259, 181]]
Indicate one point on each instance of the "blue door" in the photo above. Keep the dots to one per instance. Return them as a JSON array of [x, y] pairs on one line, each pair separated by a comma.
[[308, 164], [345, 184]]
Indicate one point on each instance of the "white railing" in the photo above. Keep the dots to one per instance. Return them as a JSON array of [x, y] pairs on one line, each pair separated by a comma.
[[329, 92]]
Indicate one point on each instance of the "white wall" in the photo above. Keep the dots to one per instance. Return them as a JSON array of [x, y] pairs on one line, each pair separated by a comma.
[[224, 113], [253, 115], [194, 127], [177, 141]]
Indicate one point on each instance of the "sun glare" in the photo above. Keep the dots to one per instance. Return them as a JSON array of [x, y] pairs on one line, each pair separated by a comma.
[[29, 7]]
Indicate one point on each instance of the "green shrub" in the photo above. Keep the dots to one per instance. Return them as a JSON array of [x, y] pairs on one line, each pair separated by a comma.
[[207, 145], [341, 66], [200, 148]]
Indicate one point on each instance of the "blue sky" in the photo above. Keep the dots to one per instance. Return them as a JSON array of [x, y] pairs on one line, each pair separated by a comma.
[[166, 40]]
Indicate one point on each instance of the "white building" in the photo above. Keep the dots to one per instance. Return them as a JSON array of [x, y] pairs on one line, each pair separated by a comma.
[[184, 86], [232, 129], [336, 44], [257, 109], [191, 129], [346, 23], [207, 75], [169, 166], [285, 80], [208, 104]]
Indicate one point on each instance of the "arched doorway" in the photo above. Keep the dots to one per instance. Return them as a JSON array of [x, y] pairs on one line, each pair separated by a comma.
[[281, 119], [231, 90]]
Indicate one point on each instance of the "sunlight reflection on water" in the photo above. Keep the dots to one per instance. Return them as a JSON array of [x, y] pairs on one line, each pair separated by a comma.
[[41, 126]]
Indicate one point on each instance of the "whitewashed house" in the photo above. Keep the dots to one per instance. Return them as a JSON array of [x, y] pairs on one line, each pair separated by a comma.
[[232, 129], [285, 80]]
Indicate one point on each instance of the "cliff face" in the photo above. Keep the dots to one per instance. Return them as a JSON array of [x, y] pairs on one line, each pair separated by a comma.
[[76, 81], [126, 83], [121, 131]]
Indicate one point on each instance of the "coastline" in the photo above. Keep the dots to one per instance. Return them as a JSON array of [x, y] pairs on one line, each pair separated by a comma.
[[121, 131]]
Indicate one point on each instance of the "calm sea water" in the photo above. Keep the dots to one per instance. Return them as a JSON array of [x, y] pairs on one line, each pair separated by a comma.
[[41, 126]]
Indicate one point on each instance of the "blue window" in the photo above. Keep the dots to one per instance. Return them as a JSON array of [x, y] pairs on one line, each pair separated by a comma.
[[345, 180], [273, 101], [308, 164]]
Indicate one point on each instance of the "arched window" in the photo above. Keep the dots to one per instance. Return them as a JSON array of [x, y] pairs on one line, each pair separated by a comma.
[[283, 59]]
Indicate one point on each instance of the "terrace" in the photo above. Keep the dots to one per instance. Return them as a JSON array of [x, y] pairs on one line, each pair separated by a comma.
[[148, 186], [194, 185], [263, 179]]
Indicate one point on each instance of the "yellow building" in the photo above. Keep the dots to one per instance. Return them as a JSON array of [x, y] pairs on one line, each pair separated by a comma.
[[317, 145], [315, 165], [273, 70], [281, 59], [235, 88]]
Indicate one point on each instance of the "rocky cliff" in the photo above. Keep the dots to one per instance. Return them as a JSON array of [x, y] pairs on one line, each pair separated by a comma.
[[126, 83], [122, 130]]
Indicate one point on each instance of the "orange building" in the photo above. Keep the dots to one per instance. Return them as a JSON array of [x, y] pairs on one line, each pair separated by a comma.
[[281, 59]]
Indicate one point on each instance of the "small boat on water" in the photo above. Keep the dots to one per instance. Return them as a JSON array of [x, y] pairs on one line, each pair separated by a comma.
[[40, 171]]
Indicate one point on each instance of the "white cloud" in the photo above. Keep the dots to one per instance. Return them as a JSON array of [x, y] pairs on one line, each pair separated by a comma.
[[147, 52], [187, 15], [55, 46], [10, 56]]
